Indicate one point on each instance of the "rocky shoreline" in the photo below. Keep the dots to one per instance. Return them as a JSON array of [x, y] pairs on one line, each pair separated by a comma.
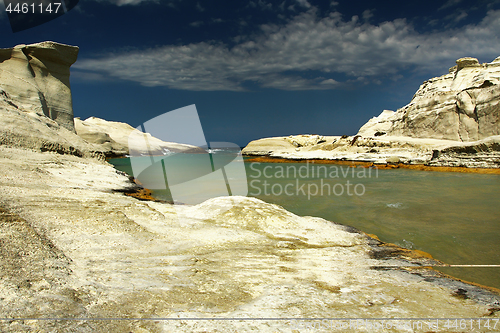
[[383, 166], [102, 254], [390, 150], [79, 255], [452, 121]]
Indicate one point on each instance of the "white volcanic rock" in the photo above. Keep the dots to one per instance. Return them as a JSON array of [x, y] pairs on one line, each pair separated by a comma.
[[463, 105], [73, 246], [35, 78], [384, 149], [114, 136], [449, 122], [380, 125], [305, 140], [29, 130]]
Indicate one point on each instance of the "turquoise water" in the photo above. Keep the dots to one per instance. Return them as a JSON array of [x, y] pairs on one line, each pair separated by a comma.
[[453, 216]]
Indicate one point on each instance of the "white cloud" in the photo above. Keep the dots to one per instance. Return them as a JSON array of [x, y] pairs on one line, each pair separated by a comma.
[[199, 7], [367, 14], [305, 53], [460, 16], [261, 4], [450, 3], [89, 77], [304, 3], [129, 2], [196, 24], [330, 82]]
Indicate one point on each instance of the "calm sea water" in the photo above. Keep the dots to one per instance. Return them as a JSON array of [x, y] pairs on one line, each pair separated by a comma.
[[453, 216]]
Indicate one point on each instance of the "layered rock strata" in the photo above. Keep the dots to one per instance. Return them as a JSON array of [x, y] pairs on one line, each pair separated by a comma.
[[463, 105], [35, 131], [381, 150], [452, 120], [35, 78]]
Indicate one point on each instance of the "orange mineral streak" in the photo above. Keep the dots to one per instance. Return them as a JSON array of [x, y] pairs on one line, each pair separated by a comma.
[[421, 167]]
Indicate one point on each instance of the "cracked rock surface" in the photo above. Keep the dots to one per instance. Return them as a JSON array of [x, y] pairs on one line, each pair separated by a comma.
[[74, 246]]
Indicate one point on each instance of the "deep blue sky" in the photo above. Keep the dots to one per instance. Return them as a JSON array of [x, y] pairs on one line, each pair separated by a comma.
[[262, 68]]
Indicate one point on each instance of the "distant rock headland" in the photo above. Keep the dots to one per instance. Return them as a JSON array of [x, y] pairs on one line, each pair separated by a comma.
[[453, 120], [112, 138]]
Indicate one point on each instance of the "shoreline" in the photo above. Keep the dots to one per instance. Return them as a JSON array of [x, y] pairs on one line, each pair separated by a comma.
[[78, 211], [380, 250], [362, 164]]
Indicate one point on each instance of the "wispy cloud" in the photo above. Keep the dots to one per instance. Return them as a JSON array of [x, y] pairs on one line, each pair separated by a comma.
[[129, 2], [308, 52], [261, 4], [196, 24], [450, 3], [457, 16], [304, 3], [199, 7]]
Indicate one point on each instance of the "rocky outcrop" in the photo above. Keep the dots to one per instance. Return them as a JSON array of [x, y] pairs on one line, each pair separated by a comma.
[[378, 126], [114, 139], [35, 131], [73, 246], [382, 150], [452, 120], [463, 105], [35, 78]]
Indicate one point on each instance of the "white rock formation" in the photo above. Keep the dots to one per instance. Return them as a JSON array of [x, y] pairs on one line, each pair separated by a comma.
[[378, 126], [463, 105], [35, 78], [114, 137], [453, 120], [37, 132], [73, 246], [384, 149]]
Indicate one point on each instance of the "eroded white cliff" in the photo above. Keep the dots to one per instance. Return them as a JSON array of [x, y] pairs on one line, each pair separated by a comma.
[[452, 120], [35, 78], [114, 138], [463, 105]]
